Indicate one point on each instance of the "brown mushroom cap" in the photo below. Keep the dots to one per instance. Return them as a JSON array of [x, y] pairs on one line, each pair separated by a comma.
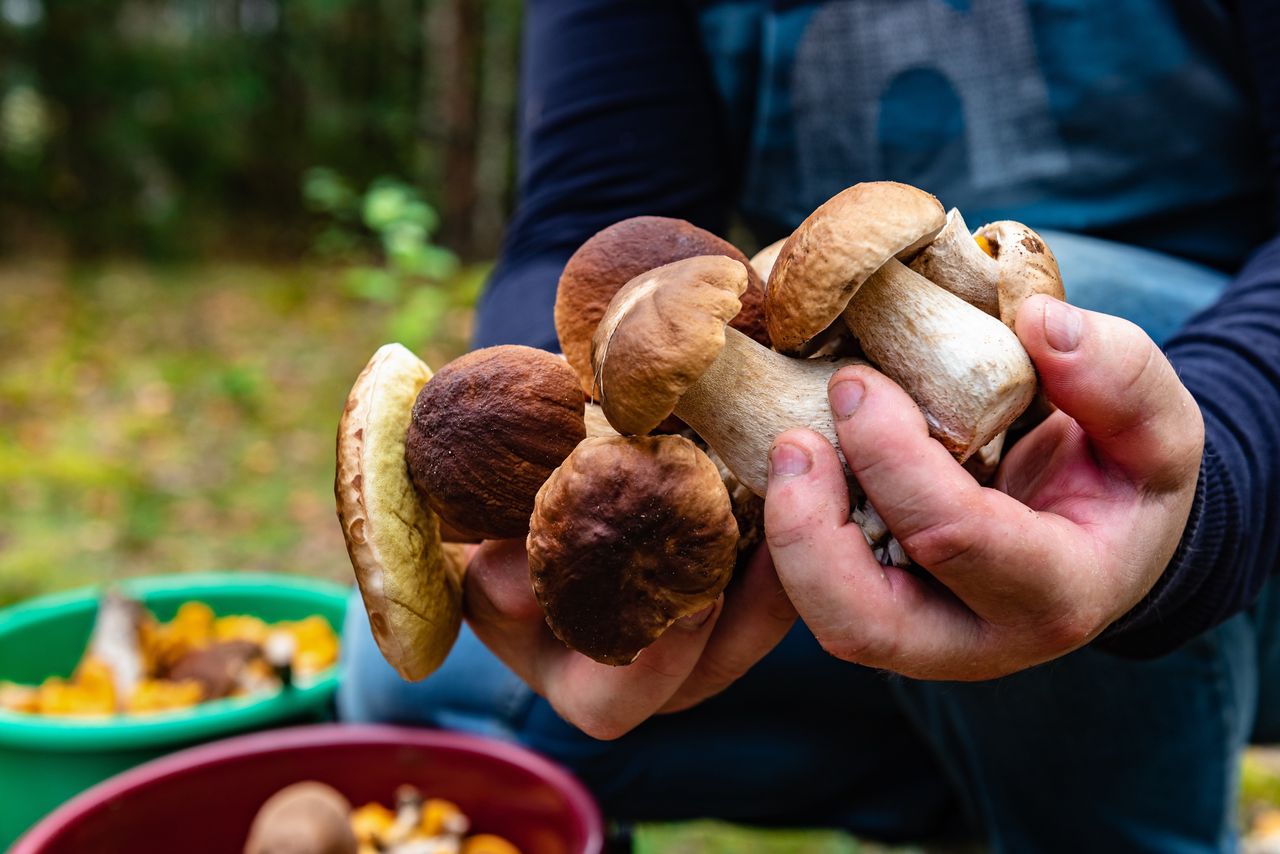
[[836, 248], [660, 333], [1026, 263], [487, 431], [411, 583], [305, 818], [629, 535], [618, 254]]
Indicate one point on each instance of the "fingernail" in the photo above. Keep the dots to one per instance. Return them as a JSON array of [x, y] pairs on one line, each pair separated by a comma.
[[788, 460], [696, 620], [1062, 325], [846, 397]]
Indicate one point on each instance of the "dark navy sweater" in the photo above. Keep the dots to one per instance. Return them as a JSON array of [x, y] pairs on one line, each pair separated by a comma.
[[1152, 122]]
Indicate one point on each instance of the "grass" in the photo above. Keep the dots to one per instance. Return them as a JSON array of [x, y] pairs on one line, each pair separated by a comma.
[[158, 420]]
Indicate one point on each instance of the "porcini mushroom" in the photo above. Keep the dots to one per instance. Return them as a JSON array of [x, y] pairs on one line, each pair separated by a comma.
[[968, 372], [305, 818], [954, 260], [410, 581], [619, 253], [487, 430], [995, 269], [1026, 266], [629, 535], [664, 346], [762, 262]]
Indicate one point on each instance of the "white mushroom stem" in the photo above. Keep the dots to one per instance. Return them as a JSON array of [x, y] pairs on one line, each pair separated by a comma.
[[749, 395], [954, 261], [966, 370]]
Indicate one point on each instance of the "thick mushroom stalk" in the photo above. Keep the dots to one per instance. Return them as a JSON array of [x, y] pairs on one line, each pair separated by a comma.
[[968, 373], [967, 370], [664, 347], [629, 535]]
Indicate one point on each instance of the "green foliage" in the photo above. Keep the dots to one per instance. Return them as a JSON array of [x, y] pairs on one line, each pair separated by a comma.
[[391, 224]]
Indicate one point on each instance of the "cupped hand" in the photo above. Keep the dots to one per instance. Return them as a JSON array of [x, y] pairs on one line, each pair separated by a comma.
[[1083, 516], [697, 657]]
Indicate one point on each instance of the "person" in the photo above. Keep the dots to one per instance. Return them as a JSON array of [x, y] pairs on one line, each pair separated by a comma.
[[1095, 641]]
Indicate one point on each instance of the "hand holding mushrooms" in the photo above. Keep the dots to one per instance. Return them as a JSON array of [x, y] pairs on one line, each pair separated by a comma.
[[618, 490]]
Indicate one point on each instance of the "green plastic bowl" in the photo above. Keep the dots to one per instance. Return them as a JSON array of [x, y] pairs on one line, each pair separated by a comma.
[[46, 760]]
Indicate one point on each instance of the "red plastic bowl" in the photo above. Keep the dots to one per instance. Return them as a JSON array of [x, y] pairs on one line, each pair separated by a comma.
[[204, 799]]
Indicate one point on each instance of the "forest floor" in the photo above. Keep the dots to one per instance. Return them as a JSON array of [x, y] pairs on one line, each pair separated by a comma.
[[169, 419]]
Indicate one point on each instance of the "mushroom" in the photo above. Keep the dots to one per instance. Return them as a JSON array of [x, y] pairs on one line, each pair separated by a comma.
[[619, 253], [1026, 266], [956, 261], [218, 668], [628, 536], [664, 347], [116, 641], [305, 818], [967, 371], [487, 430], [410, 581], [995, 269], [762, 262]]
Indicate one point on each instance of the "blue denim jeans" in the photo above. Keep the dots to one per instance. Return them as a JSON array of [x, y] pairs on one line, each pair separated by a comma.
[[1086, 753]]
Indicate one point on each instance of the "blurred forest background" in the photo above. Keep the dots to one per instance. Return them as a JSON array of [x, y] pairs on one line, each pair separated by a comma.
[[211, 213]]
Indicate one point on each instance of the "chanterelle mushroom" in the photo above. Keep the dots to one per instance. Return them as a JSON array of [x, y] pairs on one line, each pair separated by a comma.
[[410, 581], [967, 371], [487, 430], [629, 535], [619, 253]]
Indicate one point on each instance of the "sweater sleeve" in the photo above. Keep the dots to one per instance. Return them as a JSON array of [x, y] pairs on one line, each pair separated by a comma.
[[618, 118], [1229, 358]]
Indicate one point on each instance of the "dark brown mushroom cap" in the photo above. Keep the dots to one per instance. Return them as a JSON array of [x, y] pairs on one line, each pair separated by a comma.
[[305, 818], [487, 431], [659, 335], [826, 259], [619, 253], [629, 535]]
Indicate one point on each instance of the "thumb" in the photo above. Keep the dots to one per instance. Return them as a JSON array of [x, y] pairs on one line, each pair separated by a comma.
[[1109, 376]]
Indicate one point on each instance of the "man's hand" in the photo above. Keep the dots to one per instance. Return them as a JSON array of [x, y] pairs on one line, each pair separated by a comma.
[[697, 657], [1085, 512]]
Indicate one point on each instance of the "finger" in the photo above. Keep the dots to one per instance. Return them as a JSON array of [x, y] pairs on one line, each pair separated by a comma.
[[993, 552], [1116, 383], [857, 609], [500, 606], [606, 702], [756, 616]]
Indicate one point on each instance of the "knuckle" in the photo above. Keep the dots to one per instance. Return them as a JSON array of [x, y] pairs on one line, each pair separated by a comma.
[[873, 649], [598, 724], [1069, 631], [940, 544]]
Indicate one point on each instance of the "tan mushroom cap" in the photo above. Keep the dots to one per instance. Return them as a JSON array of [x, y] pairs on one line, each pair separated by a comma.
[[619, 253], [762, 262], [660, 333], [487, 431], [411, 583], [628, 536], [1026, 263], [306, 817], [826, 259]]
